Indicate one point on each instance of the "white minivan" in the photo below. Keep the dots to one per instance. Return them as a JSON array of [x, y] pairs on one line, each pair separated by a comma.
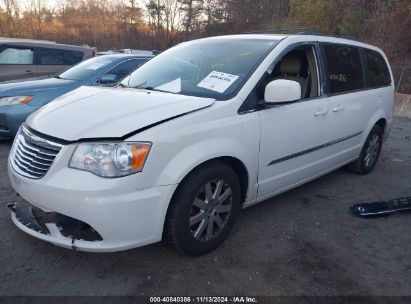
[[197, 133]]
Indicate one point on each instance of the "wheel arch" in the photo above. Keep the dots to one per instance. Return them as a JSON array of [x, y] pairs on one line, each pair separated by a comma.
[[380, 119], [235, 163], [382, 123]]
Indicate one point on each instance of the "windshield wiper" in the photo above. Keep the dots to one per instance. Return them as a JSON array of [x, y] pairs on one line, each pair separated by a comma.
[[157, 90], [139, 86], [120, 85], [59, 77]]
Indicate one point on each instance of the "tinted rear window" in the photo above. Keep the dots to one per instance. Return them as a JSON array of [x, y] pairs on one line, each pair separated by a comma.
[[345, 72], [59, 57], [378, 74]]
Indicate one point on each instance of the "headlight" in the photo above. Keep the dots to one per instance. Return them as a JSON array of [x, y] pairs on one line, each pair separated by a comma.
[[110, 159], [15, 100]]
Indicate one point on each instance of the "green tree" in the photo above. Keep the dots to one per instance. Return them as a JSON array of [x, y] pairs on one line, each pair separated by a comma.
[[313, 14]]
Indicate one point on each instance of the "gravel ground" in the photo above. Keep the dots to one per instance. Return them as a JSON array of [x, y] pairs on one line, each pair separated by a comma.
[[403, 105], [303, 242]]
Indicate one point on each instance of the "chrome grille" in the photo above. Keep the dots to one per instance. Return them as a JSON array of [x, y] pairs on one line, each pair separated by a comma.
[[31, 155]]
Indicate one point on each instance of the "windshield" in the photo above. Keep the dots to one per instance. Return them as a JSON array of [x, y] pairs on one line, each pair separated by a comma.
[[87, 69], [214, 68]]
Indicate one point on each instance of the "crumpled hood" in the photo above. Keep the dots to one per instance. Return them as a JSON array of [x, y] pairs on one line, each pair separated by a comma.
[[33, 86], [90, 112]]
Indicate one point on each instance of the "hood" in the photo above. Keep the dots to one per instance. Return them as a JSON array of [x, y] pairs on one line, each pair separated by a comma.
[[33, 86], [91, 113]]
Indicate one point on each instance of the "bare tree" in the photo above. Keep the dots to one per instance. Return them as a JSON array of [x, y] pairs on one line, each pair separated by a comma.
[[12, 16], [172, 16], [162, 23], [35, 11]]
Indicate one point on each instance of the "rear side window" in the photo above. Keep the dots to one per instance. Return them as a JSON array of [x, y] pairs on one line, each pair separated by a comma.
[[377, 74], [125, 68], [88, 68], [345, 72], [12, 55], [59, 57]]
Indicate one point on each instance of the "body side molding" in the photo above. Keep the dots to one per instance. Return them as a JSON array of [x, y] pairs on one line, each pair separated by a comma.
[[301, 153]]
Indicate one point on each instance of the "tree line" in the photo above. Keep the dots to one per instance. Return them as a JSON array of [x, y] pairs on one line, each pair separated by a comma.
[[160, 24]]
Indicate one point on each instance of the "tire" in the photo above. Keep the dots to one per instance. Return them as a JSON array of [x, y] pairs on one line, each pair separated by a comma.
[[370, 153], [204, 209]]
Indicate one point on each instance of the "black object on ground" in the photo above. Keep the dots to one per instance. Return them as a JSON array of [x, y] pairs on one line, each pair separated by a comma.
[[383, 208]]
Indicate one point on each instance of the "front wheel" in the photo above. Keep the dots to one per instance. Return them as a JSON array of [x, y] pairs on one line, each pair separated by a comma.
[[204, 209], [370, 153]]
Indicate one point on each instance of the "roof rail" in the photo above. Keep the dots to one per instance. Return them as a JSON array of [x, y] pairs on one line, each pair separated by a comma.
[[295, 31], [27, 40], [300, 31], [347, 37]]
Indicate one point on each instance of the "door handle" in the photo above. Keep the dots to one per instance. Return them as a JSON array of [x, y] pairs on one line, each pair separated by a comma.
[[338, 108], [28, 71], [321, 112]]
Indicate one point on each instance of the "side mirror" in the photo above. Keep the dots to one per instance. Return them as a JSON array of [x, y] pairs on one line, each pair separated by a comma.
[[108, 79], [281, 90]]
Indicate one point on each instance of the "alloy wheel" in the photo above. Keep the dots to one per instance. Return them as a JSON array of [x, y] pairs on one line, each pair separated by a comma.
[[210, 210], [372, 151]]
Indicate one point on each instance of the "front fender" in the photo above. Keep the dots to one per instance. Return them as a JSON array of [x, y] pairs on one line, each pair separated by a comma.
[[192, 156]]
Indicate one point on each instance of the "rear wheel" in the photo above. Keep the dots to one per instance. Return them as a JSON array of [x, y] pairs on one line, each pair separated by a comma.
[[370, 153], [204, 209]]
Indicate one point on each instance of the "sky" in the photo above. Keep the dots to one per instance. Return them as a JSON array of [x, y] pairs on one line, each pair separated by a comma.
[[52, 3]]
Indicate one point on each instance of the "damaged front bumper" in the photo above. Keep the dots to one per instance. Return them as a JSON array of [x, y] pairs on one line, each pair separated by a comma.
[[55, 228], [125, 217]]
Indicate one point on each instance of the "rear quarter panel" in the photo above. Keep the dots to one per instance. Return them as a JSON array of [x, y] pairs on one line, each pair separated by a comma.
[[383, 99], [383, 104]]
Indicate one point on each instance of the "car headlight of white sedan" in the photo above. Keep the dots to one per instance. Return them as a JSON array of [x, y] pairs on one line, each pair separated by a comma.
[[110, 159]]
